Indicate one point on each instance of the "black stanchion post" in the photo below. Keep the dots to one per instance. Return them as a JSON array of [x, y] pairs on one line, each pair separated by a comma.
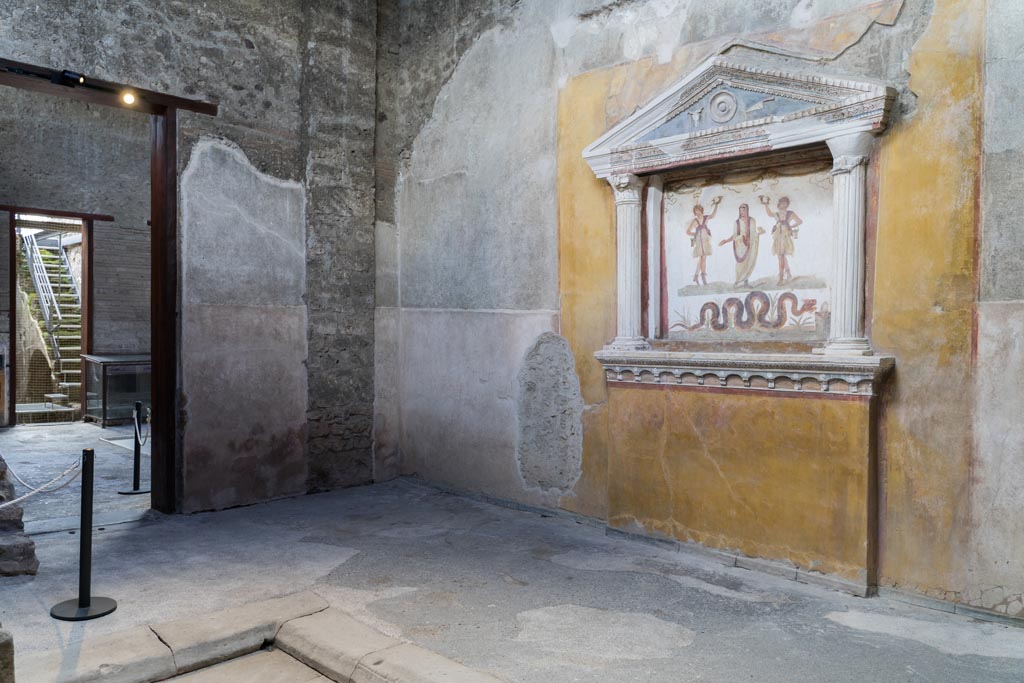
[[85, 606], [137, 420], [137, 464]]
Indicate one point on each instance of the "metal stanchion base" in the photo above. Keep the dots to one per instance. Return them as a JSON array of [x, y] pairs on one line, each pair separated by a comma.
[[133, 493], [70, 611]]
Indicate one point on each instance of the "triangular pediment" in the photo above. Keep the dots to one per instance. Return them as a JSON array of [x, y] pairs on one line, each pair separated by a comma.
[[725, 109]]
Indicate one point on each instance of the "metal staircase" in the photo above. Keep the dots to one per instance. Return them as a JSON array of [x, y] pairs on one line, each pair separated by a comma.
[[60, 305]]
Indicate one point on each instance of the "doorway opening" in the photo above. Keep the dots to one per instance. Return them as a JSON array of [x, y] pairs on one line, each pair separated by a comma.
[[47, 318], [77, 372]]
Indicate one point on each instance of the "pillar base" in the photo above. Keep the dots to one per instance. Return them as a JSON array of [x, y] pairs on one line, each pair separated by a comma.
[[628, 344], [846, 347]]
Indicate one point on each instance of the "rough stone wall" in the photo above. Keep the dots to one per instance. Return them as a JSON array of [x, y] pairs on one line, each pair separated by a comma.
[[70, 156], [17, 551], [280, 73], [6, 657], [338, 116], [35, 376]]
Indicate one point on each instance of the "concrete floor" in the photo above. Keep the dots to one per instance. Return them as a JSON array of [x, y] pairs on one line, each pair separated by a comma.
[[40, 452], [524, 596]]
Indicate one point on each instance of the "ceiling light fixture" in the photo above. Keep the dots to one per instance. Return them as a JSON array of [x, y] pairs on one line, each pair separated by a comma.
[[128, 97]]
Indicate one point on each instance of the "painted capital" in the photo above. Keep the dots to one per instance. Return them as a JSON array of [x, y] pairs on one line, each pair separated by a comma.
[[850, 151], [846, 164], [627, 188]]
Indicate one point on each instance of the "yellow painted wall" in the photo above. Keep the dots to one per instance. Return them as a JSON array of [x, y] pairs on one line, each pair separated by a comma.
[[921, 312], [767, 475]]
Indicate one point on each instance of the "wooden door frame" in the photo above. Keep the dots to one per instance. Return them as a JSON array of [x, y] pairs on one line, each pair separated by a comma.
[[164, 322], [88, 221]]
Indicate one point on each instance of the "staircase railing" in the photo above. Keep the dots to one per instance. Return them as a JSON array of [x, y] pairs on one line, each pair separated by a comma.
[[48, 303], [71, 273]]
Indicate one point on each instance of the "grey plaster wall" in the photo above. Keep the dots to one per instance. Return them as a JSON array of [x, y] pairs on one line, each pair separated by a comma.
[[294, 82], [69, 156], [243, 331], [1002, 241], [996, 553], [467, 233]]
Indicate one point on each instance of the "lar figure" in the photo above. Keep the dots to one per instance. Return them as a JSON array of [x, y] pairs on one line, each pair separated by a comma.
[[700, 238], [783, 233], [745, 238]]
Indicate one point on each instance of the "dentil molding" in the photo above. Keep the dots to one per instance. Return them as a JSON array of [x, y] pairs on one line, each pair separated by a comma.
[[756, 372]]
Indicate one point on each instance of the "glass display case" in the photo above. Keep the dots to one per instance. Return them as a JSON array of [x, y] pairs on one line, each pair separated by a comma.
[[112, 383]]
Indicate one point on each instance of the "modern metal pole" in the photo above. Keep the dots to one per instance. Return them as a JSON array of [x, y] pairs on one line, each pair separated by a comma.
[[137, 419], [85, 606], [85, 533], [137, 464]]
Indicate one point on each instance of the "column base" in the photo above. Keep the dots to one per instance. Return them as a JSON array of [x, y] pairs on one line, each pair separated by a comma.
[[629, 344], [846, 347]]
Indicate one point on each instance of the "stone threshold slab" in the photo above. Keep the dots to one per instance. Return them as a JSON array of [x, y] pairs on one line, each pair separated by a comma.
[[301, 627], [156, 652], [348, 651]]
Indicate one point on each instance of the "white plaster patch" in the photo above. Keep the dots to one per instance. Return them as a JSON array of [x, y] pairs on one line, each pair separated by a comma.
[[984, 640], [608, 562], [586, 635], [414, 531], [563, 30]]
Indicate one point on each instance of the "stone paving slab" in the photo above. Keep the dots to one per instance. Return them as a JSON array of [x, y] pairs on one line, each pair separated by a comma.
[[270, 666], [40, 452], [205, 640], [132, 656], [523, 596]]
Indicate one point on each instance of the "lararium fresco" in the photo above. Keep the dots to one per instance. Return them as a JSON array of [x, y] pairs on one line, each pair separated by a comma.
[[748, 256]]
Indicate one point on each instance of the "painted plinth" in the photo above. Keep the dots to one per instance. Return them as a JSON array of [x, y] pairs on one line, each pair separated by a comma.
[[776, 476]]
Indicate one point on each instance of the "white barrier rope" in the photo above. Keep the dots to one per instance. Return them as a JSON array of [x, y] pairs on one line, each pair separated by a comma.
[[76, 467], [136, 420]]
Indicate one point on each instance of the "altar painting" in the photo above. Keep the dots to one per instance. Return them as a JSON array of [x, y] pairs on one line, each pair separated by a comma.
[[749, 257]]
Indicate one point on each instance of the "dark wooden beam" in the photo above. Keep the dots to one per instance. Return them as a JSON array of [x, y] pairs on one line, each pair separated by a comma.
[[95, 91], [99, 217], [164, 310], [12, 346], [87, 297]]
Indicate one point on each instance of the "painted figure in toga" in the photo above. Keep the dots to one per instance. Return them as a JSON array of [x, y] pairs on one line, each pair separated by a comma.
[[745, 237]]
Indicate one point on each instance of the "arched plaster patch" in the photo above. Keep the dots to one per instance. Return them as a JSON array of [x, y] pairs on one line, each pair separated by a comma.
[[236, 219]]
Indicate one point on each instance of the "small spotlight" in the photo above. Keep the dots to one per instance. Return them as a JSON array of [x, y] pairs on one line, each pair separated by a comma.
[[67, 78], [128, 97]]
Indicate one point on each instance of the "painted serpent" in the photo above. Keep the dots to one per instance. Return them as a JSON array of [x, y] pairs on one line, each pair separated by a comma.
[[754, 308]]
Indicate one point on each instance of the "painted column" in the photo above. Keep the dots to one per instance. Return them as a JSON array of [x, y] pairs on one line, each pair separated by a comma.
[[655, 186], [849, 178], [628, 189]]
